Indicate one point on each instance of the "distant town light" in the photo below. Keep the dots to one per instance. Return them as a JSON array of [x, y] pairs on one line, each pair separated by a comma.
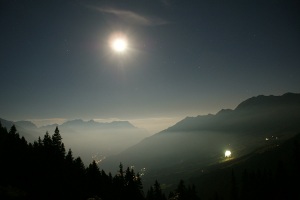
[[227, 154]]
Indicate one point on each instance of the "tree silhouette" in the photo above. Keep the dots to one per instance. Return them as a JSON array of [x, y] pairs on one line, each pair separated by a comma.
[[47, 141], [184, 193], [233, 189], [57, 143], [150, 194], [133, 185], [158, 194], [42, 171], [13, 131], [93, 179]]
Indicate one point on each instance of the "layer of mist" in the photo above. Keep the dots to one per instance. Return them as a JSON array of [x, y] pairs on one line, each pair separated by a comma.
[[90, 140], [198, 142]]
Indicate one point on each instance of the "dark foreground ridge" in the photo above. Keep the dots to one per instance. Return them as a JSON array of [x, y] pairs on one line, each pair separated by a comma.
[[195, 143], [184, 162], [43, 170]]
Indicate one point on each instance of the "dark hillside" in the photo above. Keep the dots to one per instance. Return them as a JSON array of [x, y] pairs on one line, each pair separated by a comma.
[[198, 142], [263, 174]]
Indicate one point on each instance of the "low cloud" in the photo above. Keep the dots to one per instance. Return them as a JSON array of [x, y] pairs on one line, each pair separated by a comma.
[[131, 16], [156, 124], [152, 125]]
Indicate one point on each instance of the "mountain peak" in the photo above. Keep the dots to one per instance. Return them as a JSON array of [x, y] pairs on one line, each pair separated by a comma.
[[99, 125], [263, 110], [26, 124], [269, 101], [224, 111]]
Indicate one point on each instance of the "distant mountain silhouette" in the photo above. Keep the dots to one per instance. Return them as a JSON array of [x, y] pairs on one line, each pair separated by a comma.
[[25, 128], [87, 138], [261, 101], [196, 142], [255, 114], [6, 123], [25, 124], [79, 123]]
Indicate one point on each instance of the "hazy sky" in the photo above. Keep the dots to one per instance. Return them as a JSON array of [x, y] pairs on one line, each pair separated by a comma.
[[184, 58]]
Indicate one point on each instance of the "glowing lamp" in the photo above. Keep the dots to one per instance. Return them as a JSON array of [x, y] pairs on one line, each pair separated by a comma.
[[227, 154]]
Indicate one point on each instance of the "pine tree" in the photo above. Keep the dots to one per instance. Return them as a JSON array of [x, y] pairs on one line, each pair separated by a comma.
[[139, 186], [47, 141], [69, 157], [245, 193], [150, 194], [133, 185], [13, 130], [57, 143], [158, 194], [121, 172], [192, 194], [181, 190], [234, 189], [119, 184], [93, 179]]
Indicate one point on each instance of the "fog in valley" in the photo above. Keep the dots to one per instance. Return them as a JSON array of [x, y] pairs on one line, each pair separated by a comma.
[[90, 140], [149, 100]]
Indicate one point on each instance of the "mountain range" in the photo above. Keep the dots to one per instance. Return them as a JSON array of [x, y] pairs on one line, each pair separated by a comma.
[[198, 142], [87, 139], [72, 124], [185, 149]]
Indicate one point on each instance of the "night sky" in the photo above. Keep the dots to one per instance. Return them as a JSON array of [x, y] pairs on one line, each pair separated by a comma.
[[184, 58]]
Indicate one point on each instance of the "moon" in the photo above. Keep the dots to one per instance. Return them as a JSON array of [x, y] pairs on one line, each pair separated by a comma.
[[119, 45]]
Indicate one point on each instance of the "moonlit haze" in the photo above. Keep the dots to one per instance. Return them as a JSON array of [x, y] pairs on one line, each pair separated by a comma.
[[148, 62], [149, 99]]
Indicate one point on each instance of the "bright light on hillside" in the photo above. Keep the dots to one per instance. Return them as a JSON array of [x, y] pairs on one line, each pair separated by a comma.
[[227, 154]]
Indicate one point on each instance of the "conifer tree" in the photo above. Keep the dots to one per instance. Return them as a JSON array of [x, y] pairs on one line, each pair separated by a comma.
[[47, 141], [158, 195], [181, 190], [139, 185], [93, 178], [69, 157], [13, 130], [234, 189], [57, 142], [150, 194]]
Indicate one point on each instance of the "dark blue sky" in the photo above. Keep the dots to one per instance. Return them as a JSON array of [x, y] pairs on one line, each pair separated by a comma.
[[185, 57]]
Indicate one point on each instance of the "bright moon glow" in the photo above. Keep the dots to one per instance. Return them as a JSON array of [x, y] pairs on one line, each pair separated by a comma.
[[227, 154], [119, 45]]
